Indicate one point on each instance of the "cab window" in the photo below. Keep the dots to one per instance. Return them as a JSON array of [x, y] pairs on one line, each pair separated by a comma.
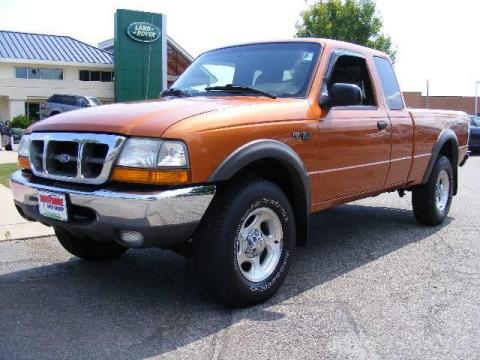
[[353, 70]]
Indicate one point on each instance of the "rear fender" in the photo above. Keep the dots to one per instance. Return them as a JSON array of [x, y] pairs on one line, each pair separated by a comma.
[[446, 136]]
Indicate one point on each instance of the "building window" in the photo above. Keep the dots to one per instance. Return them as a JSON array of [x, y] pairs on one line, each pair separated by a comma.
[[45, 73], [57, 74], [95, 76], [84, 75], [21, 72], [106, 76], [33, 73], [38, 73], [88, 75]]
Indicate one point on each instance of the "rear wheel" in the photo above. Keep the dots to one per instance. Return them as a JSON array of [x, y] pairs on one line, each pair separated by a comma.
[[87, 248], [244, 245], [431, 201]]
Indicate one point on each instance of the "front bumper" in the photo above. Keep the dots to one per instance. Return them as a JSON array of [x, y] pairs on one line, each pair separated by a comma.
[[164, 217]]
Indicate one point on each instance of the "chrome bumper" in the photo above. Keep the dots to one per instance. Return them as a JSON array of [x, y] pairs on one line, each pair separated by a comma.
[[164, 217]]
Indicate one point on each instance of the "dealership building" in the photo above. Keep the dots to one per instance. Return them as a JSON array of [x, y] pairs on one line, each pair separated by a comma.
[[35, 66]]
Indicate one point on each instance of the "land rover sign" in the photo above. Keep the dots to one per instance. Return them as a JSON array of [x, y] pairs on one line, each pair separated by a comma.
[[143, 32], [140, 55]]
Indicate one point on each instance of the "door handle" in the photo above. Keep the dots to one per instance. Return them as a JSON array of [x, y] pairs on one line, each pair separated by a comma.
[[381, 125]]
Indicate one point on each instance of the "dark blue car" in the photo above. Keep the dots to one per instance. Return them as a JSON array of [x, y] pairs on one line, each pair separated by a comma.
[[474, 142]]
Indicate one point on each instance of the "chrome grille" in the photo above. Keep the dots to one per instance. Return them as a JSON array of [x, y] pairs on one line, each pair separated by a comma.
[[74, 157]]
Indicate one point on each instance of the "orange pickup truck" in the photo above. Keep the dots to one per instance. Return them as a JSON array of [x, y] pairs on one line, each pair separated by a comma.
[[230, 162]]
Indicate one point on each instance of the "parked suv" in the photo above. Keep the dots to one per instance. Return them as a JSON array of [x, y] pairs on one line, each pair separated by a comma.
[[57, 104]]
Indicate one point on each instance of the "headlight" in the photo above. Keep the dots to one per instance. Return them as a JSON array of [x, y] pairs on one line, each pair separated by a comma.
[[142, 153], [172, 154], [153, 153], [24, 147]]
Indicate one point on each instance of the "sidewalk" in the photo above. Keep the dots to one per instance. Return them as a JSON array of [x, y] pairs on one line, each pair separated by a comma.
[[8, 157], [12, 225]]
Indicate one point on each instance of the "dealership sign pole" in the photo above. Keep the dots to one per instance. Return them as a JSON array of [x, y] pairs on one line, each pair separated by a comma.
[[140, 55]]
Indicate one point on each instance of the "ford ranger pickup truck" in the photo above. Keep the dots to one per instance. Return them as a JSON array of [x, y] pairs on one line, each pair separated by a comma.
[[230, 162]]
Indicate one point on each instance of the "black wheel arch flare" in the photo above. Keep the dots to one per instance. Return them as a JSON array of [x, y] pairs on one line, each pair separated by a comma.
[[273, 149], [445, 136]]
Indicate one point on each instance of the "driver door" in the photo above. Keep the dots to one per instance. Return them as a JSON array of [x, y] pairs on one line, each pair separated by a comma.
[[354, 141]]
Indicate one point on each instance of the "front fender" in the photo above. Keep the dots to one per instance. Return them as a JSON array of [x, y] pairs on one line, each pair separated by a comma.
[[272, 149]]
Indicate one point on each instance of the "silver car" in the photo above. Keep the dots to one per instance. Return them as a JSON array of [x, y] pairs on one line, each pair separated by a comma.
[[57, 104]]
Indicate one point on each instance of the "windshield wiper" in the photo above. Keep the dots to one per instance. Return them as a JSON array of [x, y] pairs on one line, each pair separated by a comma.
[[174, 92], [239, 89]]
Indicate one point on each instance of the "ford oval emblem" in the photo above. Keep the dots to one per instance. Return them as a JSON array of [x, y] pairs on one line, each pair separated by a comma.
[[63, 158], [143, 32]]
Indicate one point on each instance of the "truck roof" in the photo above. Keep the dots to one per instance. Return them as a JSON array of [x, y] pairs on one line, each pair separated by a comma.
[[324, 42]]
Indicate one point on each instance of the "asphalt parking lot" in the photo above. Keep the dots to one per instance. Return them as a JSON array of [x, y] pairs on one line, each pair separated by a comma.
[[371, 284]]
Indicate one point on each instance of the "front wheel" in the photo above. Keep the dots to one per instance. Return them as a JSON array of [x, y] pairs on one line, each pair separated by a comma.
[[431, 201], [244, 245]]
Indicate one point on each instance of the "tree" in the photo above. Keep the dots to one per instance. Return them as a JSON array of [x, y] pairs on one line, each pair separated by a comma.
[[354, 21]]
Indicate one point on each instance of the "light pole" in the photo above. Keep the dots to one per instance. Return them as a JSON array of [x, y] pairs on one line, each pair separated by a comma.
[[476, 97], [427, 104]]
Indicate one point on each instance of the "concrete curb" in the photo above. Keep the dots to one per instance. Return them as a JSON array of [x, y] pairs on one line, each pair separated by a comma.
[[13, 226]]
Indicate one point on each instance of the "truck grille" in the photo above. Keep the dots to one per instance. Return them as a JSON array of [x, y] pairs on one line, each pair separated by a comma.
[[74, 157]]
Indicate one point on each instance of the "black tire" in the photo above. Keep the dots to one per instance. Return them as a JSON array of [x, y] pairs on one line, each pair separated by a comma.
[[424, 202], [216, 242], [87, 248], [184, 249]]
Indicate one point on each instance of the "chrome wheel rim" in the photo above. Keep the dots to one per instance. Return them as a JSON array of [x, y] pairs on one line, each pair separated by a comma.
[[259, 244], [442, 190]]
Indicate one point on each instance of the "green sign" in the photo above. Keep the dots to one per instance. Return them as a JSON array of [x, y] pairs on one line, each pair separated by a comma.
[[143, 32], [140, 55]]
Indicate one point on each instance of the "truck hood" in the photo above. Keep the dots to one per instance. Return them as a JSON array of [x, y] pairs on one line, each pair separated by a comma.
[[149, 118]]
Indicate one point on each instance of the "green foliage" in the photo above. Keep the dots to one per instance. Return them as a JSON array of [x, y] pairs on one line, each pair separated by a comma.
[[5, 171], [355, 21], [20, 121]]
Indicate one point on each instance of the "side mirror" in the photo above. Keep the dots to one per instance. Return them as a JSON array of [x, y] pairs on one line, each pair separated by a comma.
[[342, 94]]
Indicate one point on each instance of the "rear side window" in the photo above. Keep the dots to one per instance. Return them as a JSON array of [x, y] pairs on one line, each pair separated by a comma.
[[391, 90], [53, 99], [68, 100]]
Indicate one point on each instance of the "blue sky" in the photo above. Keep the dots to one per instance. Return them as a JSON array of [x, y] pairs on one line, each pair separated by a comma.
[[437, 40]]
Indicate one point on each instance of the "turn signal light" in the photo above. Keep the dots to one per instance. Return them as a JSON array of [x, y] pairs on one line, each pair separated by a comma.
[[147, 176], [23, 162]]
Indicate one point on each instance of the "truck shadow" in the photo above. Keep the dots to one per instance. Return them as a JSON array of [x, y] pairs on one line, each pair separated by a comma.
[[150, 302]]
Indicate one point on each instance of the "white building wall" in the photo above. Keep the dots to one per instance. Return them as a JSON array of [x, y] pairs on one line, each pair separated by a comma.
[[15, 92], [16, 107], [4, 109]]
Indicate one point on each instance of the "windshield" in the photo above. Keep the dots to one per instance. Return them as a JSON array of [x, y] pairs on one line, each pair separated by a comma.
[[279, 69]]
